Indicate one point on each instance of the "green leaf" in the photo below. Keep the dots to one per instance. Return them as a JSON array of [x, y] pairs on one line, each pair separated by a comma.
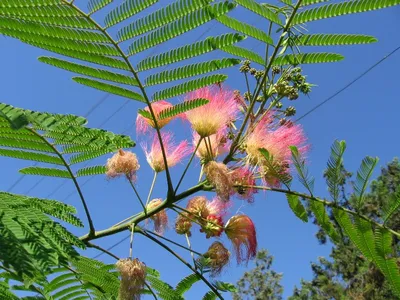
[[246, 29], [89, 171], [260, 10], [186, 283], [209, 296], [164, 290], [275, 169], [45, 172], [89, 155], [191, 70], [340, 9], [300, 164], [18, 140], [323, 220], [333, 39], [24, 3], [48, 11], [15, 117], [392, 205], [297, 207], [307, 58], [113, 89], [126, 10], [188, 86], [225, 286], [364, 173], [160, 18], [334, 174], [311, 2], [89, 71], [26, 155], [182, 108], [180, 26], [93, 58], [245, 53], [96, 5], [189, 51]]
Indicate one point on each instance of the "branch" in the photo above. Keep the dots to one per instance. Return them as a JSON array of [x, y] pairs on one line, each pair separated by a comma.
[[90, 245]]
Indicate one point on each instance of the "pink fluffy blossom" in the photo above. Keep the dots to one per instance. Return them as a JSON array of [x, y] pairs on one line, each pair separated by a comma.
[[208, 119], [241, 231], [143, 124], [243, 176], [175, 153], [219, 145]]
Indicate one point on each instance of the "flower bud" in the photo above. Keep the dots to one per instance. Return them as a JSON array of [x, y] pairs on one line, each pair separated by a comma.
[[160, 219], [122, 163], [133, 276], [216, 258]]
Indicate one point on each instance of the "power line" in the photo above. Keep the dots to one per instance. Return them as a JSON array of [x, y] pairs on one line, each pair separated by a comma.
[[349, 84], [112, 246]]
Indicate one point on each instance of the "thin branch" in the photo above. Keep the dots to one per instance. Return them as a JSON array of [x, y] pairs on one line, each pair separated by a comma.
[[151, 290], [191, 252], [137, 194], [151, 190], [90, 245], [184, 262]]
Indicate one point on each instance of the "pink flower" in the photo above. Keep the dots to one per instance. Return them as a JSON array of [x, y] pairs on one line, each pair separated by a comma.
[[208, 119], [244, 177], [133, 278], [219, 145], [218, 175], [241, 231], [216, 258], [217, 207], [160, 219], [213, 226], [174, 153], [143, 124], [122, 163]]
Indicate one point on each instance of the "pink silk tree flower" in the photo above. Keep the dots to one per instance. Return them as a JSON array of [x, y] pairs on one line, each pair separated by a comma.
[[241, 177], [241, 231], [216, 258], [160, 219], [143, 124], [133, 277], [122, 163], [174, 153], [213, 226], [218, 207], [208, 119], [218, 175], [219, 145]]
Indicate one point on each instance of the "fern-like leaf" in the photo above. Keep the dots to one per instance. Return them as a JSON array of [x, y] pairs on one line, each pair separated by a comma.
[[364, 173], [300, 164], [189, 51], [334, 174], [307, 58], [191, 70], [185, 24], [275, 169], [89, 171], [96, 5], [245, 53], [45, 172], [89, 71], [246, 29], [189, 86], [260, 10], [391, 206], [113, 89], [186, 283], [323, 220], [126, 10], [27, 155], [182, 108], [333, 39], [340, 9], [160, 18], [297, 208], [163, 289], [209, 296]]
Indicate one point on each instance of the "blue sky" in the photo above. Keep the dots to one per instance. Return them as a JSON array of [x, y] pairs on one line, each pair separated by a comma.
[[364, 115]]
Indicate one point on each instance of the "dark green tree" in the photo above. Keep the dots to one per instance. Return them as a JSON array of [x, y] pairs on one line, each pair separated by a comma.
[[348, 275], [260, 283]]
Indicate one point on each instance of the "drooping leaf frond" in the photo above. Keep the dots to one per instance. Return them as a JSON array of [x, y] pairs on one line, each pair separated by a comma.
[[340, 9], [334, 174], [126, 10], [27, 155], [163, 289], [391, 206], [46, 172], [182, 108], [179, 27], [186, 283], [333, 39], [96, 5], [189, 51], [297, 207], [191, 70], [300, 164], [188, 86], [323, 220], [260, 10], [307, 58], [245, 53], [89, 171], [89, 71], [364, 173], [209, 296], [116, 90]]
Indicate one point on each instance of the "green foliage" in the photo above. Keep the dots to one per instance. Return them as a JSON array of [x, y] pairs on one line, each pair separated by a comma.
[[210, 296], [296, 206], [182, 108], [323, 220], [300, 164], [189, 86], [340, 9], [363, 175], [45, 172], [245, 53], [334, 175], [225, 286], [95, 5], [391, 206], [275, 169], [190, 70], [260, 10], [333, 39], [186, 283], [89, 171], [307, 58], [164, 290]]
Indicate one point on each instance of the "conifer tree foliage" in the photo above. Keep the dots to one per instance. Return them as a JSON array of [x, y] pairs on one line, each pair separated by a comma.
[[245, 140]]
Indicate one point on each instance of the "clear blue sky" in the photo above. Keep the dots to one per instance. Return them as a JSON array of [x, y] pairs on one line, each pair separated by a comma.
[[365, 115]]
